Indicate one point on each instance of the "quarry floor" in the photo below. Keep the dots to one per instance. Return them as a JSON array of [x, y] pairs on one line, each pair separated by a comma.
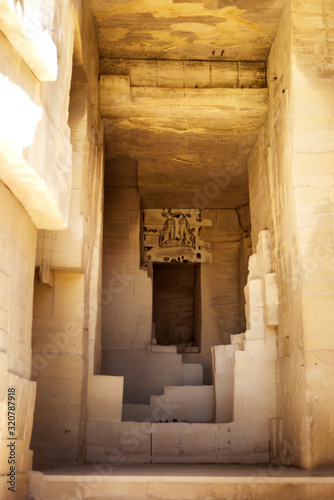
[[182, 482]]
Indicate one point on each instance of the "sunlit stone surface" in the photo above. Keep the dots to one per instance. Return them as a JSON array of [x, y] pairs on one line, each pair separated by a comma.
[[166, 249]]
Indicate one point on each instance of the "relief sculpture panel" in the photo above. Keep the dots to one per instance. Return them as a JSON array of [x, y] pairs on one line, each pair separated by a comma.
[[173, 236]]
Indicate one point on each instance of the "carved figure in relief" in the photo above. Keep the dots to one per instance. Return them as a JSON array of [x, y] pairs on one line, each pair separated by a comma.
[[176, 232], [186, 236], [167, 235], [173, 236]]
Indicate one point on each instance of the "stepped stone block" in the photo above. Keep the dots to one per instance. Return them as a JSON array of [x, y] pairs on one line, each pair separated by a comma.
[[252, 267], [136, 413], [254, 399], [124, 442], [164, 348], [176, 443], [192, 374], [254, 344], [145, 372], [223, 376], [271, 299], [238, 339], [184, 404], [105, 396], [255, 293], [260, 262], [263, 251], [255, 308]]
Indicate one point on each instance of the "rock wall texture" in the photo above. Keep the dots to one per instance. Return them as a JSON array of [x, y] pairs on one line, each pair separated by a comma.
[[17, 250], [54, 321], [291, 181], [35, 149], [35, 167], [66, 329], [51, 159], [127, 305]]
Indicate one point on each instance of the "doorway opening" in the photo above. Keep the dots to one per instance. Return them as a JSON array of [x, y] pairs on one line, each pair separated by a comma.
[[176, 306]]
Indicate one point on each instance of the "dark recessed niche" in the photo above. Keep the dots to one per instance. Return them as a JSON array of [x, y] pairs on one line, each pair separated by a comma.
[[176, 305]]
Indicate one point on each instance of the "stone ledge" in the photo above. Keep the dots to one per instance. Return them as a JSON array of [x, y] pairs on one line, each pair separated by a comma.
[[188, 74]]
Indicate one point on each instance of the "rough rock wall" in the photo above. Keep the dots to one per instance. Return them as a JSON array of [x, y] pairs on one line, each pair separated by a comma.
[[290, 172], [66, 343], [35, 164], [17, 393], [35, 148], [127, 302], [313, 183]]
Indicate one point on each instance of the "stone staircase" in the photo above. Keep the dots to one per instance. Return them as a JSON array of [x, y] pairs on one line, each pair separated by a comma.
[[179, 424], [147, 371], [176, 404]]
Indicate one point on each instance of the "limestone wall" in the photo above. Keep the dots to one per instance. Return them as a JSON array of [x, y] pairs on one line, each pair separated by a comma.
[[313, 182], [67, 319], [127, 290], [35, 166], [51, 171], [35, 148], [58, 369], [290, 172], [79, 246], [273, 207], [17, 255]]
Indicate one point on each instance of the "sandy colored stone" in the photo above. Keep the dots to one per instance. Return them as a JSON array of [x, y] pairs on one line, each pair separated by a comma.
[[227, 110]]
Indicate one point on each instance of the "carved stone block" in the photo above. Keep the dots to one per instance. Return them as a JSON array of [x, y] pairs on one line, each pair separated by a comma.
[[173, 236]]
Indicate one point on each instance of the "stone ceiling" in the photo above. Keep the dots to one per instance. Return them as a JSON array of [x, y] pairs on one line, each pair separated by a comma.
[[188, 108], [186, 30]]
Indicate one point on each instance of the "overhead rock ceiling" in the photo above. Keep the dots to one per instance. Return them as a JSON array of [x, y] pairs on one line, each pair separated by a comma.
[[186, 30], [191, 145], [175, 104]]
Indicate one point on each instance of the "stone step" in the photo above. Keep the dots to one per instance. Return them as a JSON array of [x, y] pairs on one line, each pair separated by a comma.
[[177, 404], [181, 482], [223, 360], [177, 442], [147, 372], [192, 374], [136, 413], [185, 404], [238, 339]]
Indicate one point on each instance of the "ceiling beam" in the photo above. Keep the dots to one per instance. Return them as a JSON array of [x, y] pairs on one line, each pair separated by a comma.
[[187, 74], [182, 110]]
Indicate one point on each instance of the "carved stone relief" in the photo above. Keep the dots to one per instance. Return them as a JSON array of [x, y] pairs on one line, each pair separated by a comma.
[[173, 235]]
